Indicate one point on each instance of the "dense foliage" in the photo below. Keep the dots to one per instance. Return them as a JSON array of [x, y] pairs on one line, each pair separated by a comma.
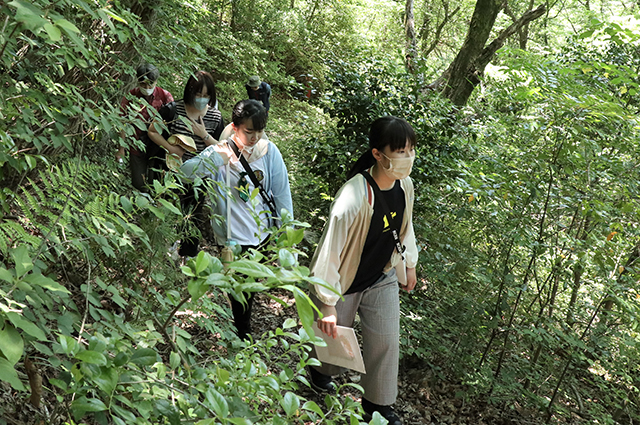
[[526, 210]]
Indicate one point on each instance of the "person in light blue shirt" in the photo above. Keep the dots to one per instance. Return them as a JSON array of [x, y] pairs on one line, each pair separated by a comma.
[[222, 163]]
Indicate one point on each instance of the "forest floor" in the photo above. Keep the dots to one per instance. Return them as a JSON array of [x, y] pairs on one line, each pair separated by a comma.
[[422, 398]]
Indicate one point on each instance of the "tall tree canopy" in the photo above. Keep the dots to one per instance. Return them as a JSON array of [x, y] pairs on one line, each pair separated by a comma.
[[526, 209]]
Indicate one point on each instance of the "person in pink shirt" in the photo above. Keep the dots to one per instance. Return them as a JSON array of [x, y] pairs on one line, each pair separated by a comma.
[[142, 162]]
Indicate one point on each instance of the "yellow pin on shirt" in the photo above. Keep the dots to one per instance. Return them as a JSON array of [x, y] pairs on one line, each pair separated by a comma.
[[386, 222]]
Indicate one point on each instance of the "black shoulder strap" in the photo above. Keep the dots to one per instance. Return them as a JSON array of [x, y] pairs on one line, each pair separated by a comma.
[[385, 209], [267, 198]]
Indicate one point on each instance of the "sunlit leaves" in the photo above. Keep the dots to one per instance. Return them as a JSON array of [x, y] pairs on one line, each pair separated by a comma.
[[29, 15]]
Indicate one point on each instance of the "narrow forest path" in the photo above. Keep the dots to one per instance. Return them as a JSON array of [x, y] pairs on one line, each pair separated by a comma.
[[422, 398]]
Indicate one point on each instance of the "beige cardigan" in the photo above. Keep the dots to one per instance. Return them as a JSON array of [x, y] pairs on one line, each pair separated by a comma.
[[337, 257]]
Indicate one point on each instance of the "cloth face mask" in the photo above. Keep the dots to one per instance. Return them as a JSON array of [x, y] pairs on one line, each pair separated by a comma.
[[399, 168]]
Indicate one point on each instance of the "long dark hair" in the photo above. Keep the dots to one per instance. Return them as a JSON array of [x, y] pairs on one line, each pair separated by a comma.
[[385, 131], [195, 83]]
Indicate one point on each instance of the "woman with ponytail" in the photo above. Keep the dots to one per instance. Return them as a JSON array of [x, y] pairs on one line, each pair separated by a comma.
[[369, 235]]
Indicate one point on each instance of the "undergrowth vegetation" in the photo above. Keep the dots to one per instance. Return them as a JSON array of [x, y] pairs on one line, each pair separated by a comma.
[[526, 214]]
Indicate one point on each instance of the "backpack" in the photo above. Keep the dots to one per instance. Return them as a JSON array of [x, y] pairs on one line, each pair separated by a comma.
[[168, 114]]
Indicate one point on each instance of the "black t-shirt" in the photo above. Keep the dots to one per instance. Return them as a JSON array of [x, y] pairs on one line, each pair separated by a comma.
[[379, 244]]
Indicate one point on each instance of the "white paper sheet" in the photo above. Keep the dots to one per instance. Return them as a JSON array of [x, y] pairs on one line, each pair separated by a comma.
[[342, 351]]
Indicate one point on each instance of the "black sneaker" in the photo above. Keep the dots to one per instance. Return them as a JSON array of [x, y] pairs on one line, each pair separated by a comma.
[[320, 382], [387, 412]]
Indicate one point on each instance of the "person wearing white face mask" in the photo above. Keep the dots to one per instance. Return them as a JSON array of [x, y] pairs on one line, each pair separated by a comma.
[[367, 248], [196, 117], [227, 163], [141, 162]]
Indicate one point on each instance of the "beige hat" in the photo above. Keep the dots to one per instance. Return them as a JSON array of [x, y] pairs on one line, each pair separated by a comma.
[[185, 142]]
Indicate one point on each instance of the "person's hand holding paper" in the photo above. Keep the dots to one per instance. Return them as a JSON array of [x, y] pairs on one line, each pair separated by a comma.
[[342, 351], [329, 322]]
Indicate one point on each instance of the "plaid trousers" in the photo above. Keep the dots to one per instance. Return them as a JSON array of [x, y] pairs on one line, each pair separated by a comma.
[[379, 309]]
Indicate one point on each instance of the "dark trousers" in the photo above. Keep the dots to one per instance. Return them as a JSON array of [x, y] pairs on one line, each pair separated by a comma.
[[144, 170], [138, 167], [242, 313], [242, 316]]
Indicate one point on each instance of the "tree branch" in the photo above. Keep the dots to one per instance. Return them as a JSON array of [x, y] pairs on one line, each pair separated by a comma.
[[489, 51], [436, 37]]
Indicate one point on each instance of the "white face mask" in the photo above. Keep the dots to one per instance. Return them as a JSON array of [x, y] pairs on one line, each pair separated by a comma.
[[147, 92], [399, 168]]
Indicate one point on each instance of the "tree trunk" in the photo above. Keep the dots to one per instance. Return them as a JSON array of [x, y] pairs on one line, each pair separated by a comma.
[[410, 33], [234, 15], [463, 75]]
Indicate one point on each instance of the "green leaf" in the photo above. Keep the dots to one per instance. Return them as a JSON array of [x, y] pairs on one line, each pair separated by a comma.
[[290, 403], [187, 271], [271, 382], [68, 344], [197, 288], [27, 326], [120, 359], [378, 419], [202, 262], [128, 417], [168, 205], [218, 403], [240, 421], [251, 268], [142, 201], [287, 259], [144, 357], [289, 323], [114, 16], [174, 360], [92, 357], [45, 282], [277, 420], [295, 236], [6, 275], [53, 32], [67, 26], [10, 375], [223, 375], [156, 211], [11, 343], [22, 260], [107, 380], [44, 349], [83, 405], [305, 311], [126, 204], [29, 15], [313, 407], [168, 410]]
